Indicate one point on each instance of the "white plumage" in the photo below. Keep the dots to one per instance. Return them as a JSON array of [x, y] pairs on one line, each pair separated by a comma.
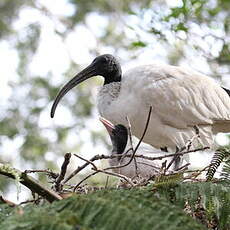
[[180, 98]]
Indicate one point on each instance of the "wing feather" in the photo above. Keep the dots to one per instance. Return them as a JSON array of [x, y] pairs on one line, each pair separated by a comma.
[[181, 97]]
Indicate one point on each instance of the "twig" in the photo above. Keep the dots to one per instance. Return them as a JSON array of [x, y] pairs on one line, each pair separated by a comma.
[[183, 167], [105, 172], [88, 161], [146, 127], [196, 173], [58, 185], [131, 144], [31, 183], [79, 168], [78, 184], [31, 201], [102, 171], [175, 157], [47, 171], [130, 133]]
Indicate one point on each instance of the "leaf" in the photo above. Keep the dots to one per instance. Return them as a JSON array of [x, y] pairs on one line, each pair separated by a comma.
[[138, 44]]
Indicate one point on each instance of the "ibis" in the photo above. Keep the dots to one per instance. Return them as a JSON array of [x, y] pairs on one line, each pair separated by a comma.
[[138, 167], [181, 99]]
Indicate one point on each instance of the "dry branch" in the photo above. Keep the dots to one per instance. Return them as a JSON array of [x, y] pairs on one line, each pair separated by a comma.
[[63, 172], [31, 184], [97, 170]]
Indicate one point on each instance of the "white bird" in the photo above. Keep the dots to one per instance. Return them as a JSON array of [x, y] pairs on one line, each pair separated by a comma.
[[180, 98], [140, 167]]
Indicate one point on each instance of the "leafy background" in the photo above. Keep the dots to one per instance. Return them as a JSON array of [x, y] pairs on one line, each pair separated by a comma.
[[43, 44]]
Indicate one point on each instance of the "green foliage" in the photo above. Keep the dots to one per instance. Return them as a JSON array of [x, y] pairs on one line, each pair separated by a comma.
[[138, 44], [217, 159], [165, 181], [225, 173], [215, 199], [108, 209], [8, 169], [139, 208]]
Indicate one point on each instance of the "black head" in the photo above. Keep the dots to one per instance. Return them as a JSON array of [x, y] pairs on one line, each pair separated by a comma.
[[105, 65], [108, 67], [118, 135]]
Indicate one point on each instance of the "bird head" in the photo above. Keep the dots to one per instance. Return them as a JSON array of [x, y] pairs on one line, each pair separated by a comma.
[[118, 135], [104, 65]]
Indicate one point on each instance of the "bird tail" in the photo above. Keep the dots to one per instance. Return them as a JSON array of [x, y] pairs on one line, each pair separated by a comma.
[[221, 127]]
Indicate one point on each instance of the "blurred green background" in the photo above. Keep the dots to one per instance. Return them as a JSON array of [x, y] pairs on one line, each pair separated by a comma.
[[43, 43]]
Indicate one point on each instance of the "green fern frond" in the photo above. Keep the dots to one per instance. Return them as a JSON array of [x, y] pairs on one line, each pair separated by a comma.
[[132, 209], [217, 159], [168, 180], [225, 173]]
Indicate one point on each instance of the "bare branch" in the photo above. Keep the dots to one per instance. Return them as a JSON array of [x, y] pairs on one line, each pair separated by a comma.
[[75, 172], [88, 161], [47, 171], [131, 144], [64, 166], [146, 127], [31, 184], [102, 171]]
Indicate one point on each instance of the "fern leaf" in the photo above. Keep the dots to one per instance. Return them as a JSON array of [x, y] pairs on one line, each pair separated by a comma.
[[215, 162], [168, 180], [225, 174]]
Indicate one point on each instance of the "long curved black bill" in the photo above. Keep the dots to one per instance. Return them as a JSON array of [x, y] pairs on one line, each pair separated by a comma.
[[88, 72]]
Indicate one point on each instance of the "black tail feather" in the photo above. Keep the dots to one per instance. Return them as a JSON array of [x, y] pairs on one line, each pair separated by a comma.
[[227, 91]]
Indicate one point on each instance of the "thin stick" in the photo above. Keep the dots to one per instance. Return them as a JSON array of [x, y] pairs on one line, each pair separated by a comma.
[[146, 127], [183, 167], [130, 133], [87, 161], [131, 144], [77, 185], [47, 171], [63, 172], [103, 171], [173, 159]]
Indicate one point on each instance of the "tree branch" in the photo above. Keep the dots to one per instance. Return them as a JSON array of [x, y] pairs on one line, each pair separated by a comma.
[[30, 183]]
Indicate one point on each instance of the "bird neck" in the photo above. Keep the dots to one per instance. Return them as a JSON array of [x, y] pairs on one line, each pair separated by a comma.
[[109, 93], [117, 150], [113, 78]]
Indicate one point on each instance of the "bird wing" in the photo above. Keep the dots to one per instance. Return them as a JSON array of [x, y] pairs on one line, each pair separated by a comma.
[[181, 97]]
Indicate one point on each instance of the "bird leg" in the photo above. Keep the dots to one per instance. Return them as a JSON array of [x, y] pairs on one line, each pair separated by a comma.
[[189, 142], [177, 158]]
